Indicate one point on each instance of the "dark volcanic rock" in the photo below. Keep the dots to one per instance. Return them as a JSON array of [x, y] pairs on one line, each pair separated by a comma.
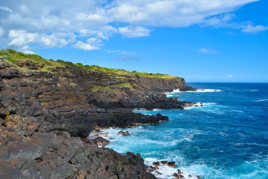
[[65, 97], [49, 155], [101, 142], [44, 114], [126, 133], [7, 171]]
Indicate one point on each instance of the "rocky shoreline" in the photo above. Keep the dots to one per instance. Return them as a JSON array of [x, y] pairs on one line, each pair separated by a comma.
[[48, 109], [100, 137]]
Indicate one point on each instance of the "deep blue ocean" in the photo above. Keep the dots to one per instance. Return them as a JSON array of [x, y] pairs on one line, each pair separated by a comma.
[[226, 138]]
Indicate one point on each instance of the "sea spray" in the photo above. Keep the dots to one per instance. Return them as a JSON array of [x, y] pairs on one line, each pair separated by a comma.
[[225, 137]]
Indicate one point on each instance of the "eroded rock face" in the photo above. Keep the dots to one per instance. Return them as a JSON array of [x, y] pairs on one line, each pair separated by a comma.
[[58, 155], [66, 97], [44, 115]]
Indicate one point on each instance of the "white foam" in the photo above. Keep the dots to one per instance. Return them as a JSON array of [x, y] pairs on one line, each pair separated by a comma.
[[176, 91], [108, 134], [239, 111], [199, 105], [166, 172], [164, 143], [206, 91], [196, 105], [261, 100]]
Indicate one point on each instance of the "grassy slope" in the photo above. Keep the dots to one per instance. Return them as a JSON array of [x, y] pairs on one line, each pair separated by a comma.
[[47, 65], [13, 57]]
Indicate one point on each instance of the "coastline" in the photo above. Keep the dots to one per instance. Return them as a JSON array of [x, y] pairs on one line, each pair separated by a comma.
[[161, 169], [48, 109]]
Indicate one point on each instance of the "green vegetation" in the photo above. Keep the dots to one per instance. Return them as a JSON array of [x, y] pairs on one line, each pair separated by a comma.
[[112, 88], [123, 85], [14, 57]]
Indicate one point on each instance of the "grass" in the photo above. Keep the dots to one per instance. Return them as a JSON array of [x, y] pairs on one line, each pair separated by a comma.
[[112, 88], [13, 57]]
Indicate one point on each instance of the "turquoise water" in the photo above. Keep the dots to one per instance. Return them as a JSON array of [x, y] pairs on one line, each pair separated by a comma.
[[226, 138]]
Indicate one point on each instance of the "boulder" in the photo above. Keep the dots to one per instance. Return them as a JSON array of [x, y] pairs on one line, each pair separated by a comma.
[[124, 133]]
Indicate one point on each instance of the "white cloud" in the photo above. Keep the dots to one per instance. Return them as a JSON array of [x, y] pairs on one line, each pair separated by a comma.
[[91, 44], [136, 31], [222, 20], [103, 32], [254, 29], [172, 13], [85, 46], [207, 51], [230, 76], [26, 50], [120, 52], [6, 9], [20, 38], [1, 32], [59, 23]]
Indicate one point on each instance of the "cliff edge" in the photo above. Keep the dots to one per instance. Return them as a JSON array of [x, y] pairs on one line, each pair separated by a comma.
[[48, 108]]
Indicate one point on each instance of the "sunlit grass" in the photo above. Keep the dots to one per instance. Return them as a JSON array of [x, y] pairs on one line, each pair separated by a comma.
[[14, 57]]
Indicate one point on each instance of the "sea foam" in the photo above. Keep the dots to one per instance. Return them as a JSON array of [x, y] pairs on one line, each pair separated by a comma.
[[176, 91], [261, 100], [166, 172], [199, 105]]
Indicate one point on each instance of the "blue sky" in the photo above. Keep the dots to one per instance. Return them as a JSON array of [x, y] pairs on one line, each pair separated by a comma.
[[200, 40]]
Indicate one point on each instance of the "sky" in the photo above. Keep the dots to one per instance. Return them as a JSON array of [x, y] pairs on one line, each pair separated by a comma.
[[200, 40]]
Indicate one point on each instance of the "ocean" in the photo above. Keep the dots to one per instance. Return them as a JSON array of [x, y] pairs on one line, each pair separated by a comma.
[[225, 138]]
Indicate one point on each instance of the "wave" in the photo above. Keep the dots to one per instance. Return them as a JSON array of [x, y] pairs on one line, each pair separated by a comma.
[[199, 105], [166, 143], [254, 90], [261, 100], [205, 91], [166, 172], [238, 111], [176, 91], [199, 91], [255, 170], [108, 134], [251, 144]]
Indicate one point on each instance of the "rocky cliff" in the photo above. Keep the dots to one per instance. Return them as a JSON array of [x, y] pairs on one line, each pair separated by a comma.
[[45, 105]]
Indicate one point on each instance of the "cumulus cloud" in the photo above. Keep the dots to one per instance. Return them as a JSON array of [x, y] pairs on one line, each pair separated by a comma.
[[254, 29], [222, 20], [59, 23], [230, 76], [120, 52], [131, 32], [173, 13], [91, 44], [1, 32], [6, 9], [207, 51], [26, 50], [21, 38]]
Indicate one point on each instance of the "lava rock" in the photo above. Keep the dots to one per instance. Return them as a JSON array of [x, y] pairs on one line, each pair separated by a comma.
[[126, 133]]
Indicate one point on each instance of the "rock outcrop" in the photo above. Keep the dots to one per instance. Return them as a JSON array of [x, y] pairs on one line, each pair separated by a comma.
[[48, 108]]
